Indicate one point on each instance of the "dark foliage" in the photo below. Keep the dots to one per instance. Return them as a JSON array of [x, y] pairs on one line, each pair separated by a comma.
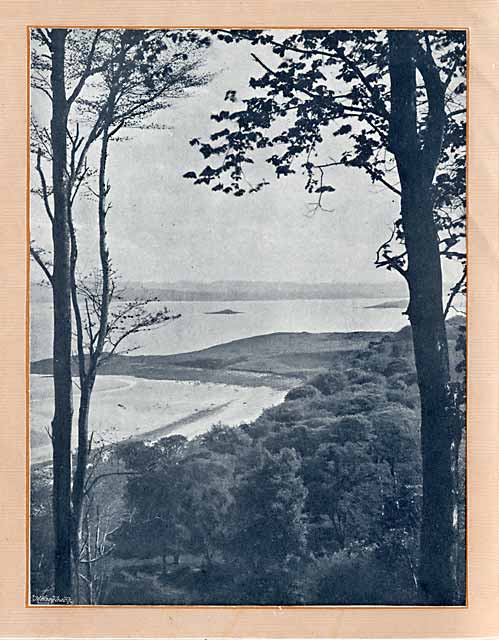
[[318, 501]]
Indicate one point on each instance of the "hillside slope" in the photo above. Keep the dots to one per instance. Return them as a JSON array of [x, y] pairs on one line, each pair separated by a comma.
[[272, 359]]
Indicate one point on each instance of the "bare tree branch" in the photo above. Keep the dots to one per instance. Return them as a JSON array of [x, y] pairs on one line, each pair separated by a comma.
[[455, 290], [35, 253], [384, 257], [45, 38], [88, 70], [92, 484], [43, 181]]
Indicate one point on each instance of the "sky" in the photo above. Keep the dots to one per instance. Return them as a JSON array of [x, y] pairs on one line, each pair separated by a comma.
[[163, 228]]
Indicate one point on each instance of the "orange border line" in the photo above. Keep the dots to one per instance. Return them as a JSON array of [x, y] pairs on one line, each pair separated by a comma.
[[28, 605], [27, 321]]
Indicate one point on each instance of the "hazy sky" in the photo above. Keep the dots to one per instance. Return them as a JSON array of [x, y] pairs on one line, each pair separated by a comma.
[[164, 228]]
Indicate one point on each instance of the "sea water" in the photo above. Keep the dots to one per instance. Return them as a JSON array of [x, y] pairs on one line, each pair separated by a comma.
[[198, 329]]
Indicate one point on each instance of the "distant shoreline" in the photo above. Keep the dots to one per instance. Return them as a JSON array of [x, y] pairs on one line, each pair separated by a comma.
[[250, 291]]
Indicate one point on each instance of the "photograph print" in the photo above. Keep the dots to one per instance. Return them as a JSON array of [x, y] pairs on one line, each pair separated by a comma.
[[247, 317]]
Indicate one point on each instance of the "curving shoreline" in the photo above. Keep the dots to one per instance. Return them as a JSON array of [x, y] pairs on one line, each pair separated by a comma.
[[147, 408]]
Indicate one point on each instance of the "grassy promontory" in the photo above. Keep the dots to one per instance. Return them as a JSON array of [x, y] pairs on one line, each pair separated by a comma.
[[278, 360]]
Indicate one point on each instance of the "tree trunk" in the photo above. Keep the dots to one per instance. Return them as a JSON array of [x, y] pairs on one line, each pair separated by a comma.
[[88, 567], [78, 490], [61, 286], [416, 162], [88, 375], [437, 571]]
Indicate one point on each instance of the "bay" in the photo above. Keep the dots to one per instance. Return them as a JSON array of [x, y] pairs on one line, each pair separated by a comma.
[[129, 407], [200, 327]]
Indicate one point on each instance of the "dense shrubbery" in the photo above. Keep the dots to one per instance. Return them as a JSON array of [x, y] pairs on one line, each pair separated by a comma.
[[317, 501]]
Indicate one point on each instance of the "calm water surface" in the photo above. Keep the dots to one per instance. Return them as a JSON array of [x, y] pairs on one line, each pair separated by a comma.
[[196, 330]]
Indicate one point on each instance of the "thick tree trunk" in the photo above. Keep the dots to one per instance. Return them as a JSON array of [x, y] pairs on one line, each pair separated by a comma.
[[61, 282], [416, 161], [437, 573]]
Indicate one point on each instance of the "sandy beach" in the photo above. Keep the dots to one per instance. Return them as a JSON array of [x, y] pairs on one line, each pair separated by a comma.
[[125, 407]]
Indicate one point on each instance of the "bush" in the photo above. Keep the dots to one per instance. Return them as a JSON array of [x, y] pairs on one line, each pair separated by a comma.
[[224, 440], [357, 403], [403, 397], [140, 591], [396, 365], [287, 413], [306, 391], [397, 381], [410, 378], [362, 377], [329, 383], [297, 436], [352, 428], [359, 578], [324, 422]]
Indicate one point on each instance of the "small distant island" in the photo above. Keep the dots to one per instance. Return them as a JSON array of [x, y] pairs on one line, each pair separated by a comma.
[[223, 312], [389, 304]]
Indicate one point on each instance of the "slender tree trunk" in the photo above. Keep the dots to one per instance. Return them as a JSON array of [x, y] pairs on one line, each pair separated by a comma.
[[88, 564], [83, 409], [88, 377], [61, 286], [103, 249], [416, 162], [88, 374], [78, 491]]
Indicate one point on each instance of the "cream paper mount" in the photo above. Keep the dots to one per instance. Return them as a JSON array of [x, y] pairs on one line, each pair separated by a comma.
[[20, 615]]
